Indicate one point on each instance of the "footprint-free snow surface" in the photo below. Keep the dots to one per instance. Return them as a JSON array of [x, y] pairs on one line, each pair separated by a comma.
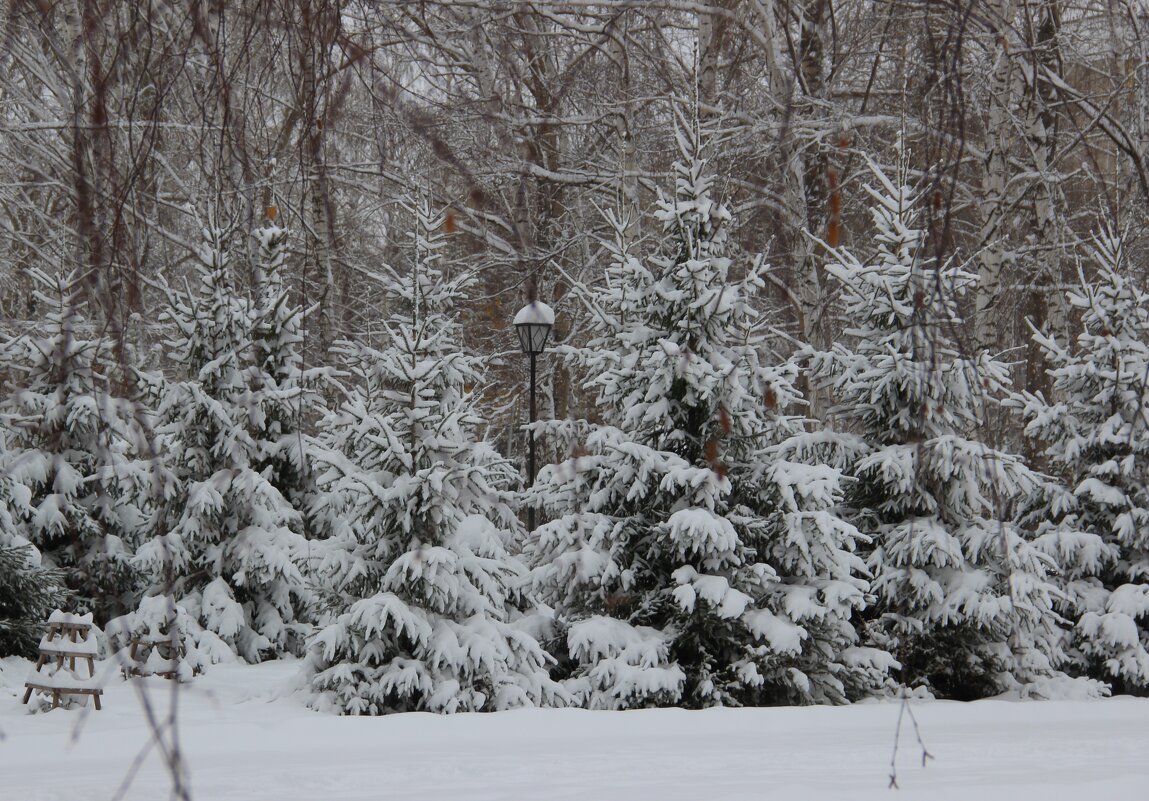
[[244, 735]]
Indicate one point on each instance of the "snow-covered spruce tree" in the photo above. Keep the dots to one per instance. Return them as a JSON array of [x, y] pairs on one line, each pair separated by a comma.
[[422, 579], [283, 393], [73, 453], [1095, 434], [964, 597], [693, 554], [232, 550], [28, 590]]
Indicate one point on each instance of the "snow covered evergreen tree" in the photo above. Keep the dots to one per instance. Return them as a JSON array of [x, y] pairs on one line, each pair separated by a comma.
[[28, 594], [28, 590], [1095, 434], [693, 554], [283, 393], [964, 596], [233, 551], [422, 578], [73, 453]]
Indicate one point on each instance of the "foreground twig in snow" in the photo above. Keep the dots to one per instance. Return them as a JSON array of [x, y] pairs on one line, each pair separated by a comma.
[[903, 710], [165, 739]]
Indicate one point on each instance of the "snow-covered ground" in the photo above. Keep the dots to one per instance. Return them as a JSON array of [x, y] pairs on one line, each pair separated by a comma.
[[245, 736]]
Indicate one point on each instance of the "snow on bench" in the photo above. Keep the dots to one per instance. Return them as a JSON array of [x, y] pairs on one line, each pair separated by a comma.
[[69, 638], [81, 648]]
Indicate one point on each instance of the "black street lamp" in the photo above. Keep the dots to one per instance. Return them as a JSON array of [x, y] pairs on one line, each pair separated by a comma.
[[533, 323]]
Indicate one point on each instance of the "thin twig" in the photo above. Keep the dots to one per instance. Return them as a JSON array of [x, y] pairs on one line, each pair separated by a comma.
[[904, 709]]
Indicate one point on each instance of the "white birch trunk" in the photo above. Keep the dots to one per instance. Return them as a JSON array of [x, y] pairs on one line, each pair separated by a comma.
[[1003, 97]]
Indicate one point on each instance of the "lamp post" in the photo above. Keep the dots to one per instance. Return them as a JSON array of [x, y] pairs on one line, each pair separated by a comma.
[[533, 323]]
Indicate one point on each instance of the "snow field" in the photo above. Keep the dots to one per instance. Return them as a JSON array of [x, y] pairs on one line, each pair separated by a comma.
[[245, 735]]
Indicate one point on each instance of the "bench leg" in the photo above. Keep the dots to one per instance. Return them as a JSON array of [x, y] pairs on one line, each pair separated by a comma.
[[97, 697], [27, 695]]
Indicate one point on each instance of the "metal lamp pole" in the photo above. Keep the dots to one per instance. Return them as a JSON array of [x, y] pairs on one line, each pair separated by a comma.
[[533, 324], [531, 445]]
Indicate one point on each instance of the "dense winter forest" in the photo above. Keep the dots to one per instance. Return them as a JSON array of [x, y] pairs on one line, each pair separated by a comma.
[[848, 388]]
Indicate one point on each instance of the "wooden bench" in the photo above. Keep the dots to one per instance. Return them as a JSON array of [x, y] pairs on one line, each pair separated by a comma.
[[56, 692], [166, 650], [69, 638]]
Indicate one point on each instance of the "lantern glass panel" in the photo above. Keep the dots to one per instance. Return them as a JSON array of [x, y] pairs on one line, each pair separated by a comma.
[[533, 336]]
